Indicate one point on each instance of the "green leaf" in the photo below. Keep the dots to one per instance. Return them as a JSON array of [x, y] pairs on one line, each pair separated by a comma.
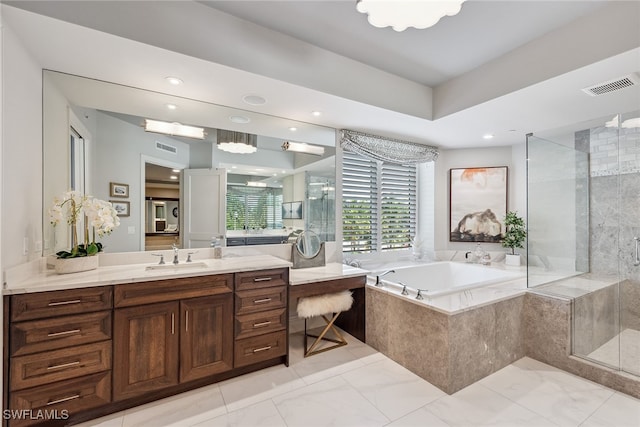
[[92, 249]]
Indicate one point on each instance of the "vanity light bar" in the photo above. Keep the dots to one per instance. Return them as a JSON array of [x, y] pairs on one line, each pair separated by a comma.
[[302, 147], [176, 129]]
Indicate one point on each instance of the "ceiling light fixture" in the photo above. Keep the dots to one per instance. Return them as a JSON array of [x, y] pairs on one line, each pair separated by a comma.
[[254, 99], [173, 177], [174, 80], [256, 184], [402, 14], [293, 129], [175, 129], [316, 113], [487, 136], [172, 106], [302, 147], [237, 142], [239, 119], [175, 170]]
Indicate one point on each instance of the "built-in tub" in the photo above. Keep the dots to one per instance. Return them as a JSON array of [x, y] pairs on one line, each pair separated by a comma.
[[442, 278]]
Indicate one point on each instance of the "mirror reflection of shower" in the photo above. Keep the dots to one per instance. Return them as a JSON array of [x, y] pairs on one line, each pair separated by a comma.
[[320, 200]]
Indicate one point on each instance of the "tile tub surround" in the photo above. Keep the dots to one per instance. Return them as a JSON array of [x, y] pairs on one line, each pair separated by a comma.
[[451, 351]]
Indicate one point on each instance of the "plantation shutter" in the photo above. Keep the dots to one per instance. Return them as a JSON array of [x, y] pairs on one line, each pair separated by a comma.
[[398, 196], [379, 204], [360, 204], [253, 208]]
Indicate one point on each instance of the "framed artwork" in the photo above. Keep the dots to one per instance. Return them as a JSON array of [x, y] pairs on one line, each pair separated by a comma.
[[477, 204], [118, 190], [292, 210], [123, 208]]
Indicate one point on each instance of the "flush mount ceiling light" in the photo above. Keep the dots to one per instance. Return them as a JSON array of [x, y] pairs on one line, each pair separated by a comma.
[[175, 129], [174, 80], [239, 119], [302, 147], [237, 142], [401, 14], [254, 99]]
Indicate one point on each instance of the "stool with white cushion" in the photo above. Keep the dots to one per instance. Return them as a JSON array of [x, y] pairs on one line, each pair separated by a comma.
[[324, 305]]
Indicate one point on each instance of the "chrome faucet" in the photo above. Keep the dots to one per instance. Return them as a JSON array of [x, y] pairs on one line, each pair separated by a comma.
[[419, 296], [404, 289], [378, 282], [175, 254]]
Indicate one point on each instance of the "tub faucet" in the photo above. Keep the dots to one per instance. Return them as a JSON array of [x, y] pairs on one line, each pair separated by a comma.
[[404, 289], [419, 296], [378, 282], [175, 254]]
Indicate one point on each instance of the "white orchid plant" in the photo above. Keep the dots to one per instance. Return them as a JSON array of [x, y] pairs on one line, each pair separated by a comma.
[[98, 214]]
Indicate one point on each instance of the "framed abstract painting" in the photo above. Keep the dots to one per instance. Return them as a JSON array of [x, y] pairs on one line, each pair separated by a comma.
[[477, 204]]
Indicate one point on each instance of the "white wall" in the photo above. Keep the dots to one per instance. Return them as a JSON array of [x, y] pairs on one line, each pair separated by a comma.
[[21, 152], [119, 146], [512, 157]]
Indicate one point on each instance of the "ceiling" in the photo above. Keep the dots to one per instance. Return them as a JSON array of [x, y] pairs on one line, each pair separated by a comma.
[[501, 68]]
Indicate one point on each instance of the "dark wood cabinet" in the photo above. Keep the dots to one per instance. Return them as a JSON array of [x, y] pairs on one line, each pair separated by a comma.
[[161, 344], [145, 349], [206, 336]]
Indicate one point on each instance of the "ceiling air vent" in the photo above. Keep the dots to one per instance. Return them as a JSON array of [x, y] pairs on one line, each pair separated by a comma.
[[166, 147], [612, 85]]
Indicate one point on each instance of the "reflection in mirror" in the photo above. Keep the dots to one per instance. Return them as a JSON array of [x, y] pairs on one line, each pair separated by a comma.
[[107, 123], [308, 244]]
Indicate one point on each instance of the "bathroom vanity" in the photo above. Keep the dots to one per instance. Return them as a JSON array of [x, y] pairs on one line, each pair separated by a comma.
[[95, 343], [98, 342]]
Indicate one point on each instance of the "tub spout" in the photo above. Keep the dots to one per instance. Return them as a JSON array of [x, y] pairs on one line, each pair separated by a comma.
[[378, 282]]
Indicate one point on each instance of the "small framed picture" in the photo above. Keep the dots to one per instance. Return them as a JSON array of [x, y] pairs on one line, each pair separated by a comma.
[[121, 207], [118, 190]]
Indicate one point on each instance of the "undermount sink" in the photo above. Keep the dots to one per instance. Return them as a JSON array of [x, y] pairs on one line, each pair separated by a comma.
[[177, 266]]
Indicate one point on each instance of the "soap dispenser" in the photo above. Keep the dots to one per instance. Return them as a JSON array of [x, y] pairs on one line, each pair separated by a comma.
[[216, 244]]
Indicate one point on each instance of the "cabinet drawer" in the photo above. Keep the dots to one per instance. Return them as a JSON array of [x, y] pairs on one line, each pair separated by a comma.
[[260, 348], [73, 396], [50, 366], [59, 303], [263, 322], [260, 299], [171, 290], [262, 279], [49, 334]]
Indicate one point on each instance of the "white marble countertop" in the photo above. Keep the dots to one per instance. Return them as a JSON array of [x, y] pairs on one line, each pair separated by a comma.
[[120, 274], [331, 271]]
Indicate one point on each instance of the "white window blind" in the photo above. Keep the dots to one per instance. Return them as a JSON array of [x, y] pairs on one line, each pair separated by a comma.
[[379, 204]]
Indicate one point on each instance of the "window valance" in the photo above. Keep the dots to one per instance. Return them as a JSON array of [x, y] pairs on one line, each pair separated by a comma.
[[387, 149]]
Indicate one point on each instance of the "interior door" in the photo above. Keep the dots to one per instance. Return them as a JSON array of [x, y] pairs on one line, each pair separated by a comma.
[[203, 191]]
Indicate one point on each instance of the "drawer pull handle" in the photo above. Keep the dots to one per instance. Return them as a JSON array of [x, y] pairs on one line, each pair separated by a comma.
[[261, 279], [64, 399], [259, 325], [73, 301], [262, 301], [64, 365], [173, 323], [57, 334], [258, 350], [186, 320]]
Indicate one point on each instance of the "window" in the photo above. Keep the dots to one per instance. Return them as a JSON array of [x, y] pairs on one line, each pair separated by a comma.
[[379, 205], [249, 207]]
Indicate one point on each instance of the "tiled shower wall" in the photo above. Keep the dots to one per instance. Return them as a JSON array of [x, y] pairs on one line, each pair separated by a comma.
[[614, 202]]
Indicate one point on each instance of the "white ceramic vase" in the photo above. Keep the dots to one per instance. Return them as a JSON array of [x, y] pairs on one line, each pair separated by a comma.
[[76, 265], [512, 259]]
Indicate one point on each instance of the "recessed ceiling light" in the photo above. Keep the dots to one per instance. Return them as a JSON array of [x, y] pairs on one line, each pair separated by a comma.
[[487, 136], [316, 113], [175, 170], [234, 167], [173, 177], [254, 99], [174, 80], [171, 106], [239, 119], [275, 174], [259, 170], [293, 129]]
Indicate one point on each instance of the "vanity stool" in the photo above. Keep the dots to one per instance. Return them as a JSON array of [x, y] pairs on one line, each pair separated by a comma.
[[324, 305]]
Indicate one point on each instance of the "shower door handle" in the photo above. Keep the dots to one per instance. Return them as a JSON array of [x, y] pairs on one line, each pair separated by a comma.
[[637, 260]]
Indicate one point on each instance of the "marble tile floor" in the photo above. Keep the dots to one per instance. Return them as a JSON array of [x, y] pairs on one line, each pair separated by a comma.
[[622, 350], [357, 386]]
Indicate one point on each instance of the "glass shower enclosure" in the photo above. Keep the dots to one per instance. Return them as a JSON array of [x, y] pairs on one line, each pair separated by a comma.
[[583, 215]]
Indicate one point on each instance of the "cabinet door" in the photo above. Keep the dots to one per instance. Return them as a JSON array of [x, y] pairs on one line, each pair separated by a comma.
[[206, 336], [145, 349]]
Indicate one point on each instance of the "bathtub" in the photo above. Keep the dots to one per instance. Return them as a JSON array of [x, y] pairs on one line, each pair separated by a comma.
[[442, 278]]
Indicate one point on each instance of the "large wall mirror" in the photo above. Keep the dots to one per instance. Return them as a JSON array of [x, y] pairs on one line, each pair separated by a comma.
[[95, 141]]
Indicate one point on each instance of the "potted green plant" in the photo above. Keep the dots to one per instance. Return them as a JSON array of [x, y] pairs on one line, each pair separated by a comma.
[[513, 237]]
